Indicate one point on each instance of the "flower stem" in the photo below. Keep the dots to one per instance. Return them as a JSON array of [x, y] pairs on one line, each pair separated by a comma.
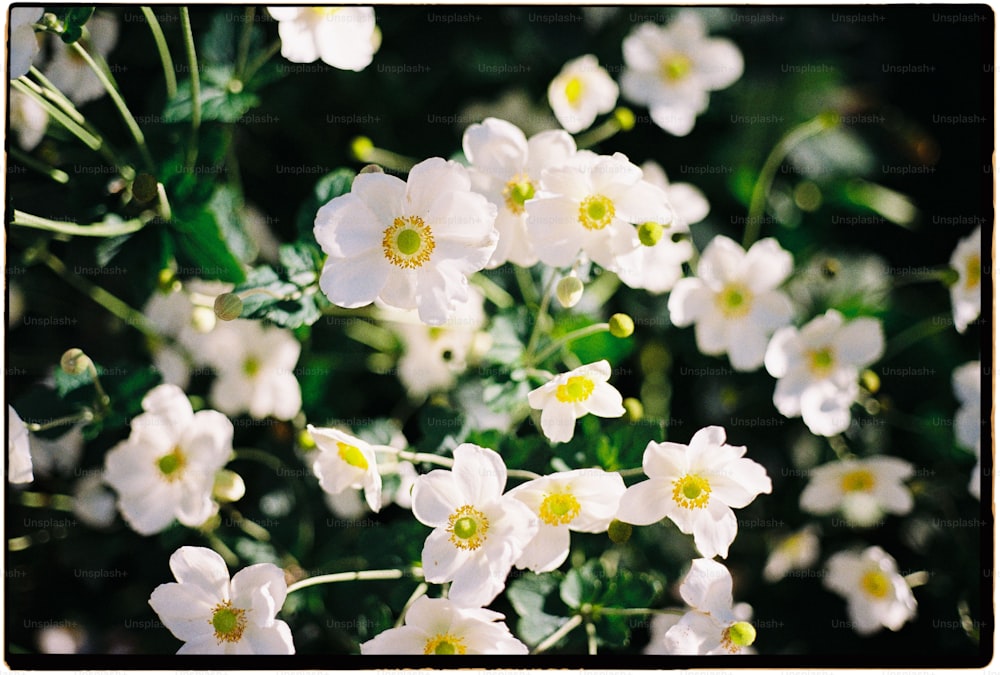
[[493, 291], [525, 285], [560, 633], [417, 457], [543, 309], [608, 128], [364, 575], [758, 198], [84, 415], [591, 637], [637, 611], [418, 593], [259, 62], [58, 176], [192, 57], [220, 547], [92, 230], [567, 338], [52, 92], [71, 125], [626, 473], [119, 102], [916, 333], [243, 50], [161, 46]]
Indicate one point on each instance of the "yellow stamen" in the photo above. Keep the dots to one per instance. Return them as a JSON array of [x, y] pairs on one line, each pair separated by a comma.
[[468, 528], [408, 242], [875, 583], [172, 464], [860, 480], [445, 644], [228, 622], [577, 388], [596, 212], [352, 455], [559, 508], [691, 491], [734, 300]]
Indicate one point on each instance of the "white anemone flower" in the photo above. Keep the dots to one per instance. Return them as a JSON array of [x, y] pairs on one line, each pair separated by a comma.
[[70, 73], [410, 244], [23, 41], [712, 625], [478, 531], [28, 119], [584, 500], [437, 626], [569, 396], [344, 462], [212, 614], [967, 383], [877, 595], [343, 37], [797, 551], [18, 449], [966, 293], [507, 168], [697, 486], [673, 68], [817, 368], [580, 92], [166, 468], [734, 302], [862, 489], [591, 204]]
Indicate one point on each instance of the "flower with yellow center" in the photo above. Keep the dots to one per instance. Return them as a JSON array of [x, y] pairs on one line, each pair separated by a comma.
[[697, 486], [343, 462], [877, 595], [583, 500], [440, 627], [478, 531], [166, 468], [580, 92], [411, 245], [567, 397], [796, 551], [506, 167], [342, 37], [212, 614], [966, 293], [863, 490]]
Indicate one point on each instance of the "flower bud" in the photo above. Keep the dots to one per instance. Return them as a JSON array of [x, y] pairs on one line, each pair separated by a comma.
[[625, 118], [228, 487], [75, 362], [870, 380], [650, 233], [621, 325], [228, 306], [306, 441], [742, 634], [619, 532], [203, 319], [371, 168], [633, 408], [361, 148], [569, 290], [144, 188]]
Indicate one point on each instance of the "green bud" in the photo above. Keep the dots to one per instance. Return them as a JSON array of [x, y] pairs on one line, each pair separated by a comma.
[[569, 290], [228, 306], [228, 487], [144, 188], [371, 168], [621, 325], [870, 381], [742, 634], [650, 233], [619, 532], [362, 147], [625, 118], [75, 362], [306, 441], [633, 408]]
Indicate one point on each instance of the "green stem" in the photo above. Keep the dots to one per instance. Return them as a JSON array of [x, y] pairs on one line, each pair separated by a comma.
[[261, 457], [248, 526], [543, 309], [558, 635], [86, 137], [608, 128], [119, 102], [493, 291], [591, 637], [758, 199], [220, 547], [166, 60], [916, 333], [526, 285], [259, 62], [52, 92], [243, 51], [418, 457], [57, 175], [418, 593], [192, 154], [638, 611], [82, 416], [92, 230], [365, 575], [567, 338], [102, 395], [42, 500], [628, 473]]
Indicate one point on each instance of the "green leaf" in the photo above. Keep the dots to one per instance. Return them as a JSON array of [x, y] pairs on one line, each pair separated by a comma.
[[225, 206], [582, 585], [441, 427], [593, 347], [143, 254], [73, 20], [201, 251], [222, 97], [279, 301], [66, 383], [334, 184], [302, 262], [531, 595]]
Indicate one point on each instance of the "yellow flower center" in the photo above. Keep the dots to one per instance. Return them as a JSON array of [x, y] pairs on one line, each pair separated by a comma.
[[596, 212], [734, 300], [408, 242], [675, 67], [251, 366], [973, 272], [172, 464], [352, 455], [650, 233], [228, 622], [875, 583], [518, 190], [577, 388], [691, 491], [445, 644], [468, 528], [821, 361], [739, 634], [574, 90], [860, 480], [559, 508], [325, 12]]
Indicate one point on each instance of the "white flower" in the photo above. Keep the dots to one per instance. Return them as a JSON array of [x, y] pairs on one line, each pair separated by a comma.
[[18, 449], [591, 205], [255, 366], [478, 532], [343, 37], [69, 72], [411, 245], [344, 462], [569, 396], [876, 594], [656, 265], [734, 302], [584, 500], [966, 381], [966, 294], [507, 168], [672, 68], [862, 489], [697, 486], [167, 466], [28, 119], [817, 368], [213, 615], [713, 625], [439, 626], [23, 43], [580, 92], [794, 552]]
